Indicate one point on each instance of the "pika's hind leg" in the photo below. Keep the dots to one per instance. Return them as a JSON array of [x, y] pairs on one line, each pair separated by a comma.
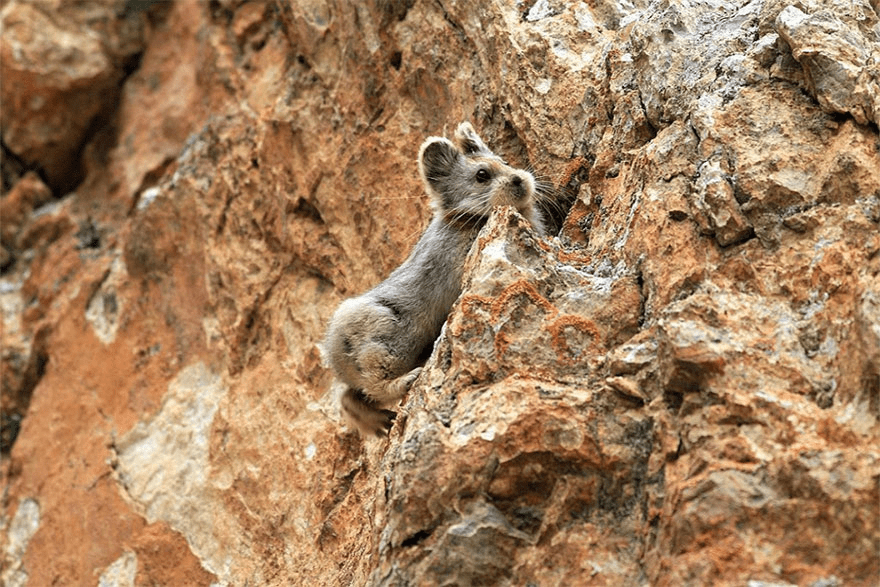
[[379, 368], [365, 414], [365, 411], [390, 390]]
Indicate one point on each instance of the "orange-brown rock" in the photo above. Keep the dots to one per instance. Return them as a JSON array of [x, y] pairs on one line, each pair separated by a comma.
[[681, 386], [61, 65]]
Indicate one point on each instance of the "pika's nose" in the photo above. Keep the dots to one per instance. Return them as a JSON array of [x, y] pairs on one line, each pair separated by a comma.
[[517, 189]]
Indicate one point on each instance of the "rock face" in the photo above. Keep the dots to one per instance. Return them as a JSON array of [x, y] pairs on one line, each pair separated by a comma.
[[681, 386]]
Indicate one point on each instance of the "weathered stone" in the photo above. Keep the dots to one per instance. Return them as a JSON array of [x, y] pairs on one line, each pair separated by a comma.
[[716, 210], [163, 464], [842, 62], [61, 66], [652, 396], [28, 194], [22, 527]]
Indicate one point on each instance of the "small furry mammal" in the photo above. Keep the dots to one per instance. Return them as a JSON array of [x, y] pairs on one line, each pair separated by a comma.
[[378, 341]]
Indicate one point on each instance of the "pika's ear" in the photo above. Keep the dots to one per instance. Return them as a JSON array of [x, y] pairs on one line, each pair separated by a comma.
[[437, 160], [469, 142]]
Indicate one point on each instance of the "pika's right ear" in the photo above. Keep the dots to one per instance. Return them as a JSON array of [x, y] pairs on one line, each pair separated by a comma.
[[437, 160], [469, 141]]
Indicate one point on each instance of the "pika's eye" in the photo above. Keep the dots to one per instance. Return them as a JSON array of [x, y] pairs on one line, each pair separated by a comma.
[[483, 176]]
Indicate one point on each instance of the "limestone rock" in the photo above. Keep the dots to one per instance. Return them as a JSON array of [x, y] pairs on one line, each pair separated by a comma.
[[680, 386], [28, 194], [841, 58], [61, 66]]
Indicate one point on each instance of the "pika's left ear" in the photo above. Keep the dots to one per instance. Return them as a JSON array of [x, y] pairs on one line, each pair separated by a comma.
[[469, 142], [438, 159]]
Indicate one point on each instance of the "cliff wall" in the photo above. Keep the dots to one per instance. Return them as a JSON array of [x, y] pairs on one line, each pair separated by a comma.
[[680, 387]]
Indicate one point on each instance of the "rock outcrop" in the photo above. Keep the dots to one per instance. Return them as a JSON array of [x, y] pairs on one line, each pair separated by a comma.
[[680, 387]]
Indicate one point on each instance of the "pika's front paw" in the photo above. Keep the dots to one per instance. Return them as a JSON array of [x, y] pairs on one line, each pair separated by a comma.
[[410, 378]]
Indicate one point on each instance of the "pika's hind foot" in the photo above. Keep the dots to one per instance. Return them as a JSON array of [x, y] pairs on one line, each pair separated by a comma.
[[365, 414]]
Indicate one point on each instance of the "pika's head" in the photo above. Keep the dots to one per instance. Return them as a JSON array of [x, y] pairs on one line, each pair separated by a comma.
[[465, 178]]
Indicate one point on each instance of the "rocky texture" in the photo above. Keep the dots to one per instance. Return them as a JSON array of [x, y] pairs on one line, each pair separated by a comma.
[[681, 387], [62, 64], [840, 56]]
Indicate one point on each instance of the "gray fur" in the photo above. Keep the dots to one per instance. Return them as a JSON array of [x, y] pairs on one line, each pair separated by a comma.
[[376, 342]]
